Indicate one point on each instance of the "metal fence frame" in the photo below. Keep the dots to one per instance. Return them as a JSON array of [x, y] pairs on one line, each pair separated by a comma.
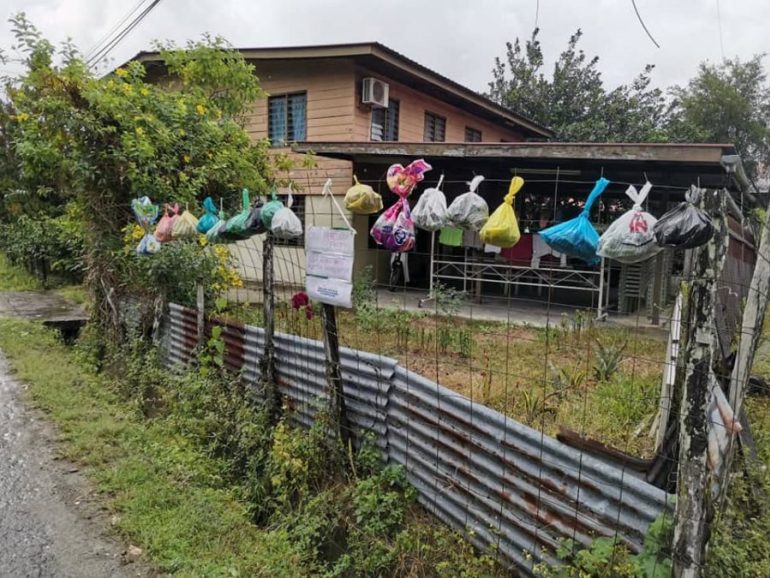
[[506, 486]]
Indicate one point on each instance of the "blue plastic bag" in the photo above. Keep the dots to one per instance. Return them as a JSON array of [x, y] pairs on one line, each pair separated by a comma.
[[577, 237], [209, 218]]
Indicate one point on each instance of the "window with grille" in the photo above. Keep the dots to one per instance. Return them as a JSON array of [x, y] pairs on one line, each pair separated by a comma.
[[435, 128], [298, 206], [472, 134], [385, 122], [286, 118]]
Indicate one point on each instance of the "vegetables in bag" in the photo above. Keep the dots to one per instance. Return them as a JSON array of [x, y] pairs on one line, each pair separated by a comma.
[[402, 180], [164, 230], [430, 212], [685, 226], [469, 211], [146, 213], [629, 239], [235, 227], [209, 218], [270, 208], [577, 237], [285, 224], [362, 200], [394, 229], [502, 228], [185, 227]]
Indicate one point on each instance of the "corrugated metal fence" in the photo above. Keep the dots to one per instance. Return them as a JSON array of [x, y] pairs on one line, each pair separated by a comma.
[[503, 484]]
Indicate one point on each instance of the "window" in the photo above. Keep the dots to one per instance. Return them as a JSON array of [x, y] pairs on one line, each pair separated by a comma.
[[472, 134], [385, 122], [286, 118], [298, 206], [435, 128]]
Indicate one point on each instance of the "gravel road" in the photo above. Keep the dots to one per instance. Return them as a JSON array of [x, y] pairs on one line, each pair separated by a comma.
[[51, 523]]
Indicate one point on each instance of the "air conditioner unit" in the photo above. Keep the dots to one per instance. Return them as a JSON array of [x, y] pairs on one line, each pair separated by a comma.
[[375, 92]]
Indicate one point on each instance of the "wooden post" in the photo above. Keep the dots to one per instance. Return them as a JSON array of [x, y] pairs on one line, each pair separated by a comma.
[[200, 306], [334, 374], [269, 381], [694, 507]]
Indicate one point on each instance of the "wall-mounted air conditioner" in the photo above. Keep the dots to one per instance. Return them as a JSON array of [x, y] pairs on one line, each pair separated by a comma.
[[375, 92]]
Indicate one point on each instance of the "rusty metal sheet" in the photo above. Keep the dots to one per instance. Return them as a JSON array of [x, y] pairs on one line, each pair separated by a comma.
[[503, 484]]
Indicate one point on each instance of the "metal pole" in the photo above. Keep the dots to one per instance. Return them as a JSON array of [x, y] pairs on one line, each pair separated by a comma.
[[269, 380], [334, 374], [200, 307], [601, 292]]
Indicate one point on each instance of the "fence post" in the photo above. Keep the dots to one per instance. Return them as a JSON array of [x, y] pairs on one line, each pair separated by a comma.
[[272, 396], [200, 306], [334, 373], [694, 507]]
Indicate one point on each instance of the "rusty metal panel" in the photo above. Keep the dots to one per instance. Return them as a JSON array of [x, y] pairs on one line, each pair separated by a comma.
[[506, 484]]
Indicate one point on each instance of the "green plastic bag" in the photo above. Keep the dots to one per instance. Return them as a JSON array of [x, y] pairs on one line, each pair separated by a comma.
[[235, 227], [215, 231], [270, 209]]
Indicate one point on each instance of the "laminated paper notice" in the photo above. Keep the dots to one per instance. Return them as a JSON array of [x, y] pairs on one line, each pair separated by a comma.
[[330, 265]]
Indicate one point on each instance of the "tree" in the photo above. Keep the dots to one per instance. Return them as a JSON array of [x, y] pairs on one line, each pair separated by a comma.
[[726, 103], [101, 141], [574, 101]]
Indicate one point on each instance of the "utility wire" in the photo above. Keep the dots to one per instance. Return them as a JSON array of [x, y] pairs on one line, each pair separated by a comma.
[[719, 23], [641, 21], [104, 51], [107, 35]]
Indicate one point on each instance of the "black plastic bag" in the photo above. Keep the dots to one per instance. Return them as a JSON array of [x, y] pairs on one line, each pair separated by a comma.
[[685, 226], [254, 223]]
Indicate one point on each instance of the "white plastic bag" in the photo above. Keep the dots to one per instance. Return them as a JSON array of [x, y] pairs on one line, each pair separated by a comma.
[[469, 211], [630, 238], [285, 224], [430, 212]]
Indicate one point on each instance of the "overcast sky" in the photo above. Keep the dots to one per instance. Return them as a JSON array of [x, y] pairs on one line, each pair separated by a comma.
[[458, 38]]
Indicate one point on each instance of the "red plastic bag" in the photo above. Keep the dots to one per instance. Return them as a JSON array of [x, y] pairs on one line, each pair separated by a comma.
[[164, 232]]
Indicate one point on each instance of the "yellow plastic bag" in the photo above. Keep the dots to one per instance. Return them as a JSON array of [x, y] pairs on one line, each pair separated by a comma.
[[362, 200], [185, 227], [502, 228]]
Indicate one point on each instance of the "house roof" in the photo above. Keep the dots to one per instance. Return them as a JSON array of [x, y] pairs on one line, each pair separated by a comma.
[[386, 61]]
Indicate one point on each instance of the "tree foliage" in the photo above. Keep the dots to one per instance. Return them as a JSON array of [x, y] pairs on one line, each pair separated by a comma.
[[72, 137], [574, 101], [726, 103]]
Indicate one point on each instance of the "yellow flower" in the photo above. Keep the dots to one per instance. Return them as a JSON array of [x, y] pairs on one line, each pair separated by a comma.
[[200, 109], [144, 92], [22, 116], [139, 130], [127, 89], [110, 83], [186, 158], [121, 72]]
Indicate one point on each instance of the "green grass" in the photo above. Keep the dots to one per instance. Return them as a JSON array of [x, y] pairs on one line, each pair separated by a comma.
[[167, 495], [75, 293], [13, 278]]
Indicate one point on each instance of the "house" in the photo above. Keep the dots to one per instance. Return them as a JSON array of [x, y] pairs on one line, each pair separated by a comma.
[[354, 93]]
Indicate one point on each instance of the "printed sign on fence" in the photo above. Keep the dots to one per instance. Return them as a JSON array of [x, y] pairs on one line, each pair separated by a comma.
[[330, 265]]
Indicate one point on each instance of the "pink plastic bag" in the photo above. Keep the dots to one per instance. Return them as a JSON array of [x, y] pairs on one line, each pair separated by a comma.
[[401, 180], [165, 229], [394, 229]]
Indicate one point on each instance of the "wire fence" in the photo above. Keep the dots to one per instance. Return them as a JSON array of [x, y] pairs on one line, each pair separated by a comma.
[[527, 413]]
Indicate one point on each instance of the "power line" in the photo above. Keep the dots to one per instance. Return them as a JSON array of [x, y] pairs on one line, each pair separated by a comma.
[[113, 30], [641, 21], [104, 51], [719, 23]]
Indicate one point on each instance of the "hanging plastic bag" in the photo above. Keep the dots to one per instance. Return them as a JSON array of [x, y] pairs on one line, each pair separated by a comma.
[[362, 200], [685, 226], [254, 223], [402, 180], [577, 237], [285, 224], [146, 214], [502, 228], [235, 227], [185, 227], [270, 208], [469, 211], [164, 230], [430, 212], [219, 227], [209, 218], [629, 239], [394, 229]]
